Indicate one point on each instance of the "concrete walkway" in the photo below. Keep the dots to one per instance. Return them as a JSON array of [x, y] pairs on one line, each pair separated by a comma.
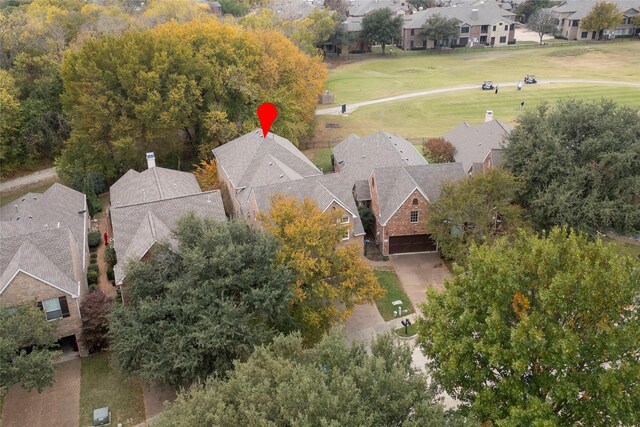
[[58, 405], [42, 175], [337, 111], [417, 272]]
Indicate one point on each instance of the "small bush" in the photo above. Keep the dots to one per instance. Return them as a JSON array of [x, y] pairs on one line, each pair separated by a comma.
[[110, 255], [385, 258], [92, 277], [93, 267], [110, 273], [94, 239]]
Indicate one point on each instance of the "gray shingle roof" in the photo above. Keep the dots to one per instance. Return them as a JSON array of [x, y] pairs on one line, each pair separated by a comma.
[[473, 143], [152, 184], [362, 191], [364, 7], [488, 14], [137, 227], [578, 9], [252, 160], [51, 255], [394, 184], [45, 236], [322, 189], [358, 156]]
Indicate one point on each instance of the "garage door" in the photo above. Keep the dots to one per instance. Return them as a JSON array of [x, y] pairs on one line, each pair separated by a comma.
[[414, 243]]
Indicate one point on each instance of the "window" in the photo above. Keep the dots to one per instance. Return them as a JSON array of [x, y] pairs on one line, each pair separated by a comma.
[[414, 202], [575, 23], [506, 28], [52, 309], [346, 235], [345, 219], [512, 27], [414, 217], [503, 39], [464, 30], [494, 28], [583, 35], [413, 32], [484, 29], [483, 39]]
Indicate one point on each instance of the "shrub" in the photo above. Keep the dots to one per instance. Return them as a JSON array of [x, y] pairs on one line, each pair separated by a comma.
[[438, 150], [95, 308], [367, 217], [110, 273], [92, 277], [94, 239], [110, 255]]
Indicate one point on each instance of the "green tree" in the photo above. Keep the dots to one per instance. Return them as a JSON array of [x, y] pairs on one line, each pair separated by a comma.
[[367, 217], [191, 313], [330, 384], [170, 89], [603, 16], [473, 211], [440, 29], [381, 27], [578, 165], [326, 273], [540, 331], [542, 22], [530, 7], [26, 340]]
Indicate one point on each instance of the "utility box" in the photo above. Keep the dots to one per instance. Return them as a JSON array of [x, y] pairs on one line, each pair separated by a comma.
[[325, 98], [101, 416]]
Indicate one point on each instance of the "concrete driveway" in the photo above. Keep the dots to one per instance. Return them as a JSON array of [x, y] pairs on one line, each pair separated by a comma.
[[364, 323], [58, 405], [417, 272]]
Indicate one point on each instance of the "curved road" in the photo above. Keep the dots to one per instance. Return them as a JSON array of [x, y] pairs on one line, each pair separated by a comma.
[[336, 111]]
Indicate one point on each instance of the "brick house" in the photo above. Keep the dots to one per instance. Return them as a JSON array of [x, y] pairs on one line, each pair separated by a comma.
[[253, 168], [44, 257], [389, 175], [400, 201], [486, 24], [569, 14], [146, 206], [479, 147]]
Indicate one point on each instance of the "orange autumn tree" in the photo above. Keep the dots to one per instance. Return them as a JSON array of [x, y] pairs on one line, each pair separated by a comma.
[[330, 278], [207, 175]]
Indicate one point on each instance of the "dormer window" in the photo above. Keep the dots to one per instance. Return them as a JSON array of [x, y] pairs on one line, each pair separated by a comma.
[[415, 202]]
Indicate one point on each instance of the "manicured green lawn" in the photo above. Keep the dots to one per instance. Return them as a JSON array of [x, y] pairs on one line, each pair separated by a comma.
[[39, 187], [435, 115], [321, 157], [102, 384], [623, 248], [412, 330], [389, 280], [381, 77]]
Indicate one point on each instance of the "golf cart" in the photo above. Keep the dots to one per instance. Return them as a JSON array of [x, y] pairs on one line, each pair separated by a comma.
[[530, 79], [487, 85]]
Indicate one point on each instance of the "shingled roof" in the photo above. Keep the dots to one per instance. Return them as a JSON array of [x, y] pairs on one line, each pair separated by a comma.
[[487, 14], [394, 184], [357, 156], [324, 190], [251, 160], [137, 227], [473, 143], [152, 184], [44, 236]]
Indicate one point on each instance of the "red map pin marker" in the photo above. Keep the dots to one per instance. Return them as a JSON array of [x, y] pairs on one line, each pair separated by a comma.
[[267, 113]]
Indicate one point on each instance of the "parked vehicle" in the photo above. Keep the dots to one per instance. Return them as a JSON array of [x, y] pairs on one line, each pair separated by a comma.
[[530, 79], [487, 85]]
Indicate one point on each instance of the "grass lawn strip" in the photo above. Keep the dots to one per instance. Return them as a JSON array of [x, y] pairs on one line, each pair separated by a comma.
[[389, 280], [102, 384]]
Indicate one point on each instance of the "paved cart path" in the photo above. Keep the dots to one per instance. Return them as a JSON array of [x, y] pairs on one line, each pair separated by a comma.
[[336, 111]]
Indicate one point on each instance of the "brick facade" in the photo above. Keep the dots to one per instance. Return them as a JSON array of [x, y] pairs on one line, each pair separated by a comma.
[[400, 223], [24, 289]]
